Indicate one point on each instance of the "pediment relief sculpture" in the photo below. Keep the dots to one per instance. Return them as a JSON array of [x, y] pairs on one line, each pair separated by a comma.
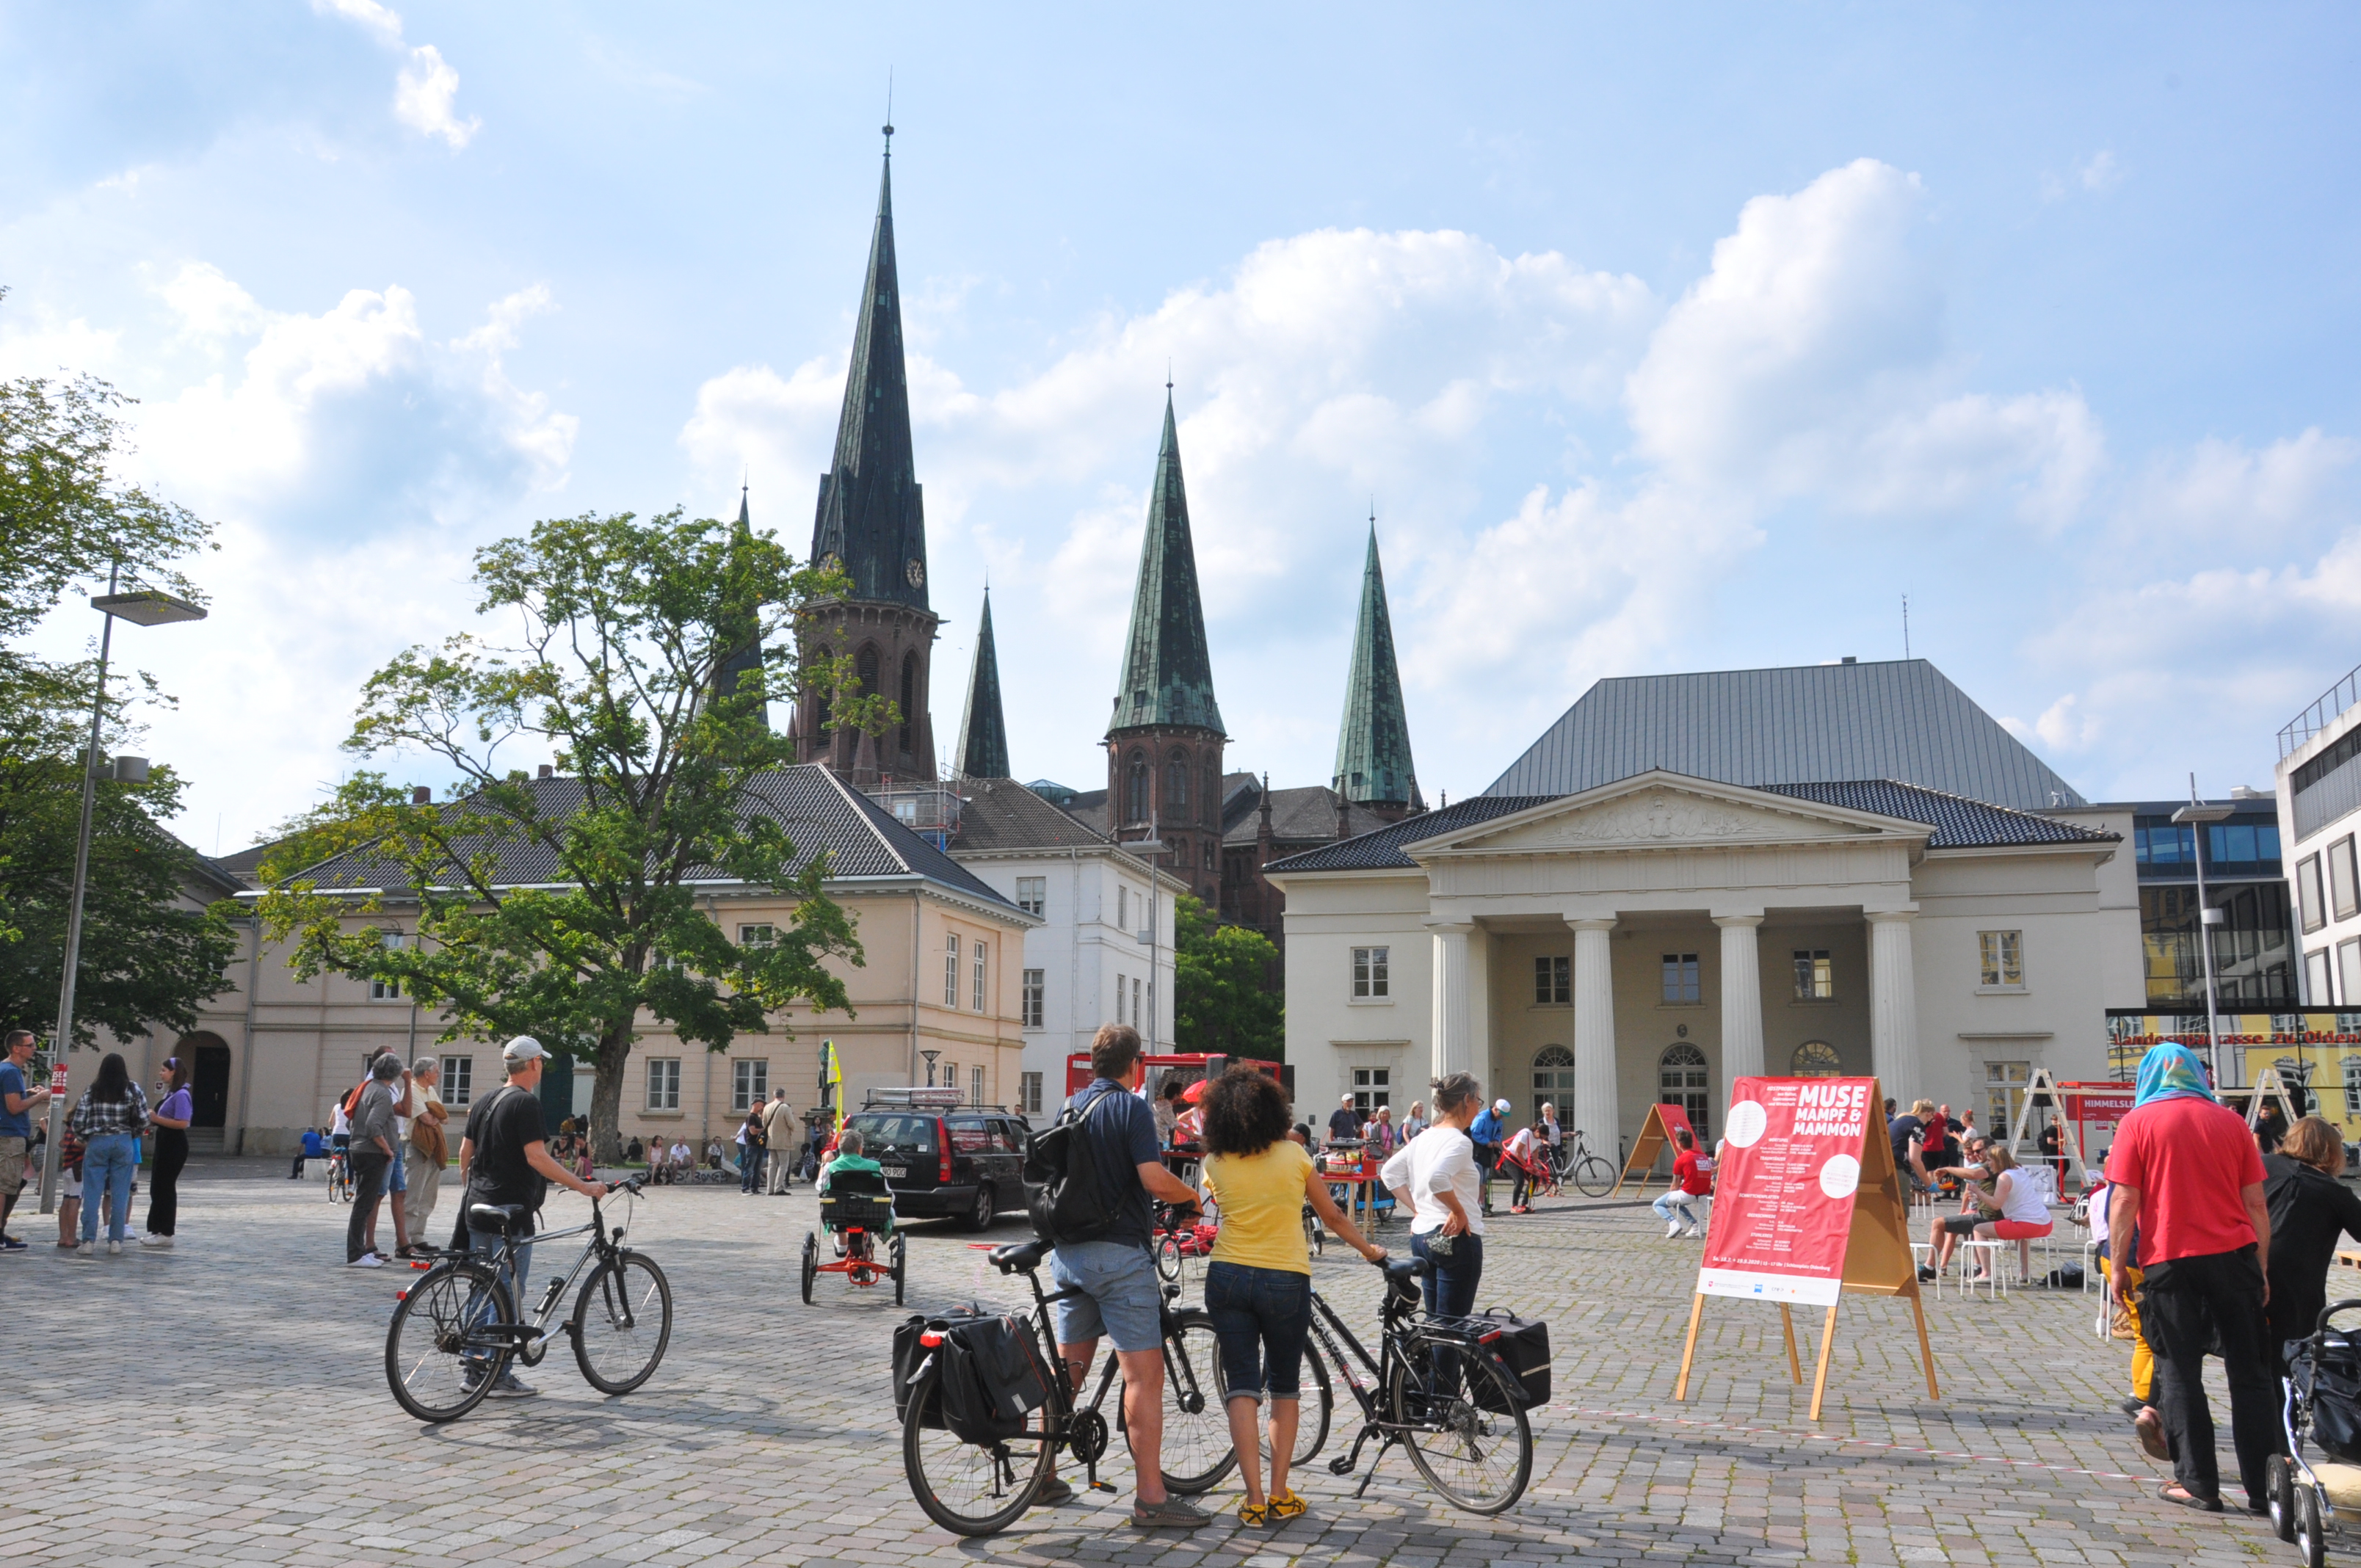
[[1663, 816]]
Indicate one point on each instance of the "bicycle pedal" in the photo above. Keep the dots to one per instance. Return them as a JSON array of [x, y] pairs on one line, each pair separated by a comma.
[[1341, 1465], [1101, 1485]]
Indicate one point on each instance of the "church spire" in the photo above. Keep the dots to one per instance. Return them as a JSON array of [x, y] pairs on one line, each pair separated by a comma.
[[1167, 673], [1373, 765], [745, 638], [871, 519], [982, 749]]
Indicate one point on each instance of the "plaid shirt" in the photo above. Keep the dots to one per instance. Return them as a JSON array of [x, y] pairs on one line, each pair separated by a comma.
[[97, 1118]]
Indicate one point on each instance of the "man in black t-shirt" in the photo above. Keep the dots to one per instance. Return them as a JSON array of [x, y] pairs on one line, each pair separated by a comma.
[[505, 1158]]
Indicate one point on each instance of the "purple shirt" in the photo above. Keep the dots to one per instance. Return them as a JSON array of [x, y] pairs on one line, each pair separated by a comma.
[[178, 1106]]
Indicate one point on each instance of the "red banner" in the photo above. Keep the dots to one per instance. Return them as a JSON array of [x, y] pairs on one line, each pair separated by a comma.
[[1677, 1120], [1788, 1171]]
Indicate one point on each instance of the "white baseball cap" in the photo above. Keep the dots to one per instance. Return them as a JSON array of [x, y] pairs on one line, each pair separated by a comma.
[[1500, 1105], [524, 1048]]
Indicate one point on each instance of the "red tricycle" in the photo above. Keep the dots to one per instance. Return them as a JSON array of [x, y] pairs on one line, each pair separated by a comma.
[[856, 1209]]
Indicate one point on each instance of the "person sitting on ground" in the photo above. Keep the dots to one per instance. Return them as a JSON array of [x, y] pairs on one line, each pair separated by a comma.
[[1677, 1207]]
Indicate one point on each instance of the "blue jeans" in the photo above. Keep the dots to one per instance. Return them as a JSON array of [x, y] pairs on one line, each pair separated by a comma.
[[1676, 1199], [1261, 1317], [516, 1275], [749, 1171], [106, 1167], [1451, 1287]]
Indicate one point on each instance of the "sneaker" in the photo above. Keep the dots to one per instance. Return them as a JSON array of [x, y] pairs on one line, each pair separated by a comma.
[[1925, 1275], [511, 1387], [1286, 1506], [1672, 1230], [10, 1243], [1256, 1514], [113, 1247], [151, 1239], [85, 1252], [1170, 1514], [366, 1260]]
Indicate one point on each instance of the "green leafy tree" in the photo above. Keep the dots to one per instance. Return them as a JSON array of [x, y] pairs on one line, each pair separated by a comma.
[[1221, 986], [566, 908]]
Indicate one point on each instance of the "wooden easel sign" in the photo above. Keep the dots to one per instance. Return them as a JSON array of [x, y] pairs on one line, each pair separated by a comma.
[[1807, 1209], [1656, 1137]]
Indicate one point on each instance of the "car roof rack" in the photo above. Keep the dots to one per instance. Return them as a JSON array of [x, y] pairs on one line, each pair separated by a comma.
[[933, 1099]]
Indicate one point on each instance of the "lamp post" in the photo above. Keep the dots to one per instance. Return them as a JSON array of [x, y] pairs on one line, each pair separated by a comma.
[[2202, 816], [145, 608]]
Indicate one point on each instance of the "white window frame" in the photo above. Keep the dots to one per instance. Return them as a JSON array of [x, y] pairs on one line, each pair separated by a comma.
[[1372, 1086], [2000, 960], [2320, 987], [983, 973], [1033, 998], [388, 990], [759, 935], [2343, 880], [2352, 1066], [458, 1086], [1122, 907], [663, 1083], [750, 1083], [975, 1086], [2312, 905], [1372, 974], [1134, 1002], [2348, 967], [1033, 895], [1029, 1094], [950, 970]]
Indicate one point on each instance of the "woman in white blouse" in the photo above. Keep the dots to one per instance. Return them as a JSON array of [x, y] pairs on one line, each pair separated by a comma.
[[1434, 1177]]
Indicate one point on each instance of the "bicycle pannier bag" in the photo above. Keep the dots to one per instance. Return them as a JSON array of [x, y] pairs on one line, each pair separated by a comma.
[[1072, 1202], [907, 1356], [992, 1378], [1521, 1346]]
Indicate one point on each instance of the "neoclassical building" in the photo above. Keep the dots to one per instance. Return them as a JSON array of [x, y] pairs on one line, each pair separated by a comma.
[[1654, 933]]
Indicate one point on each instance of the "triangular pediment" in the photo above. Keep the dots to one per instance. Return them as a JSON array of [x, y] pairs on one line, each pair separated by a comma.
[[1666, 811]]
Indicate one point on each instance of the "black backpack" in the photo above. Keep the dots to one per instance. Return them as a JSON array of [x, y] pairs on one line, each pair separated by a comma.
[[1072, 1202]]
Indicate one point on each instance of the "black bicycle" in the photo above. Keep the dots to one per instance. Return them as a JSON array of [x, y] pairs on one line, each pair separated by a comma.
[[1434, 1389], [980, 1488], [458, 1328]]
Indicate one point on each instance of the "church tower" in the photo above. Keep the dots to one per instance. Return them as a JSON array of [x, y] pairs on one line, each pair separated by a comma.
[[1164, 741], [1373, 765], [746, 639], [871, 526], [981, 752]]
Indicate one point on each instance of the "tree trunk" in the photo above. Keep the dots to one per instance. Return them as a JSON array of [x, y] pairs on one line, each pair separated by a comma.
[[606, 1094]]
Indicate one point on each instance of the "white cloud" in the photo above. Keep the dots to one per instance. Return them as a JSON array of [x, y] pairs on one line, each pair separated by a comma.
[[426, 88], [210, 307], [2225, 490], [2093, 176]]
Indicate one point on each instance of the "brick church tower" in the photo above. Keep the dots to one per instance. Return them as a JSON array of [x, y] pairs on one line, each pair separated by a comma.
[[872, 525], [1164, 739]]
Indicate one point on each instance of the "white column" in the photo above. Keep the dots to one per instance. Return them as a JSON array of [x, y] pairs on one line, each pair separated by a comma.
[[1741, 998], [1451, 1053], [1893, 1005], [1594, 1036]]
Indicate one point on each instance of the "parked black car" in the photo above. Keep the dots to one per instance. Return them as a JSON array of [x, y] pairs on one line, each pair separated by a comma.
[[965, 1162]]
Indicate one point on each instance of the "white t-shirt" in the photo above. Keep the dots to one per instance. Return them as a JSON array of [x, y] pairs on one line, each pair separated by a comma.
[[400, 1119], [1439, 1160], [1520, 1144], [339, 1124], [2021, 1199]]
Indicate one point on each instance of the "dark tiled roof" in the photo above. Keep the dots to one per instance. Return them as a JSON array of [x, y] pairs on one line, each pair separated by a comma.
[[820, 813], [1305, 815], [1958, 823], [1090, 808], [1000, 813], [1813, 724], [1383, 850]]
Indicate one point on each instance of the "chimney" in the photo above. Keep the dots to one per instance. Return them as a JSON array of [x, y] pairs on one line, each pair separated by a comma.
[[546, 770], [421, 794]]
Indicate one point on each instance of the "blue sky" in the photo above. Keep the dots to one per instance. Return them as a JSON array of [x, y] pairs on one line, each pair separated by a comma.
[[1665, 338]]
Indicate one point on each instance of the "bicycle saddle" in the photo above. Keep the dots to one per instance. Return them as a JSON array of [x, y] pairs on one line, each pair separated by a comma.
[[1022, 1258], [501, 1219], [1401, 1270]]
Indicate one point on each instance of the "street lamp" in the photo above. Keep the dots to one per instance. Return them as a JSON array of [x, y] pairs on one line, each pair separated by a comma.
[[146, 607], [2197, 813]]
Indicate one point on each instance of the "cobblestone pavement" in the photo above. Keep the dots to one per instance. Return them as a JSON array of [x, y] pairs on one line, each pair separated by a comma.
[[226, 1402]]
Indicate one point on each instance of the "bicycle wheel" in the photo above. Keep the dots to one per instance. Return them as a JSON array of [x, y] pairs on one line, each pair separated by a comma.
[[1463, 1423], [1315, 1235], [622, 1321], [1315, 1406], [440, 1321], [1197, 1452], [969, 1488], [1594, 1176], [1167, 1256], [901, 1255], [811, 1264]]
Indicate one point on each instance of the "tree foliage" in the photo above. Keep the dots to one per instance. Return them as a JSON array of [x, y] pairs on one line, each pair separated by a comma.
[[1221, 986], [566, 907]]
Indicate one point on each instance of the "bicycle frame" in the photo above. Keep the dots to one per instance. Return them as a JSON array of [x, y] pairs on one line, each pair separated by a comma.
[[528, 1339], [1395, 1335]]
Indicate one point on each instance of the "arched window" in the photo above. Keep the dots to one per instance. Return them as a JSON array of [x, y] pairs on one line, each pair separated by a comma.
[[823, 716], [1682, 1073], [1136, 794], [909, 700], [1214, 790], [1553, 1082], [865, 667], [1176, 786], [1816, 1058]]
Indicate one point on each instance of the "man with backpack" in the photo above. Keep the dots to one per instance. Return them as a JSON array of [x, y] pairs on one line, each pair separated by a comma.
[[1101, 1222]]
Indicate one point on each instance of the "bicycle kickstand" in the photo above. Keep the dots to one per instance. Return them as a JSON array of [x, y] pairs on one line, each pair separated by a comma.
[[1375, 1460]]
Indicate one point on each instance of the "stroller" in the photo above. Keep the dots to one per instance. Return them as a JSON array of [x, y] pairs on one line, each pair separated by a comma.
[[2311, 1498]]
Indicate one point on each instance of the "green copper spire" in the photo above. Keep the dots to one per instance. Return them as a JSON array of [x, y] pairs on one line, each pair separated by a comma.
[[982, 749], [1373, 764], [871, 516], [1167, 673]]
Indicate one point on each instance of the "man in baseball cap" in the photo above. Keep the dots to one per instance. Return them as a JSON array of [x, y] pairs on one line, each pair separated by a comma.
[[1488, 1132]]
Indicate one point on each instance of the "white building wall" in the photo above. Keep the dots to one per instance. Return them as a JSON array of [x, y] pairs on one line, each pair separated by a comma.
[[2330, 941]]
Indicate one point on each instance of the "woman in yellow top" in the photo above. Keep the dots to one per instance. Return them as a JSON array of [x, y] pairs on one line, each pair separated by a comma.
[[1258, 1287]]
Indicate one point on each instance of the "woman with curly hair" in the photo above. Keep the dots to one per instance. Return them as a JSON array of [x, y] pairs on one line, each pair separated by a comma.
[[1259, 1285]]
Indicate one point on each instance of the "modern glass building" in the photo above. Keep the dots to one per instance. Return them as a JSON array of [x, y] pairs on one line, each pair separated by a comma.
[[2255, 965]]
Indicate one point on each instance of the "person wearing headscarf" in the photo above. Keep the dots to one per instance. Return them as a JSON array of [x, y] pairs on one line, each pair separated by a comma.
[[2185, 1174]]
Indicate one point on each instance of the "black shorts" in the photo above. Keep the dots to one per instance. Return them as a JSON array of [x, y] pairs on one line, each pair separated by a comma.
[[1963, 1224]]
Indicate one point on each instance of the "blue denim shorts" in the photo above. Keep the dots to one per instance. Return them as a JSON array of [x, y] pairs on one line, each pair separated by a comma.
[[1261, 1317], [397, 1178], [1121, 1295]]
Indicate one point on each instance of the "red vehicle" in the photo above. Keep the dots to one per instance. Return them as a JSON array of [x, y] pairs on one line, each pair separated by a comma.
[[1186, 1066]]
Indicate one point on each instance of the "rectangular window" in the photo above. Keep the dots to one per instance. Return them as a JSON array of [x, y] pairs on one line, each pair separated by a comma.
[[1033, 989], [758, 935], [1816, 978], [2348, 969], [983, 990], [2005, 1084], [1553, 981], [950, 970], [749, 1084], [1372, 1086], [458, 1081], [2344, 892], [663, 1083], [975, 1086], [1032, 893], [1029, 1094], [2307, 893], [1681, 978], [2317, 990], [1135, 1004], [1123, 908], [2000, 956], [1371, 972], [2353, 1086], [390, 989], [951, 1075]]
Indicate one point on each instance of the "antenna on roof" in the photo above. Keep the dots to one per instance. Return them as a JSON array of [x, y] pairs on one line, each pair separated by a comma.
[[1905, 626]]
